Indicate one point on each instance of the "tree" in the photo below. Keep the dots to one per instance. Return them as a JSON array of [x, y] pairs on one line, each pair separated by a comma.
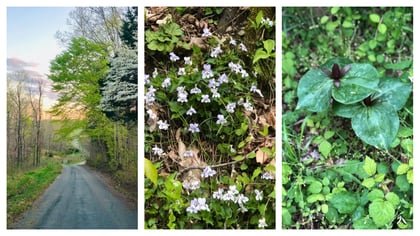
[[129, 28], [36, 104], [75, 74], [98, 24], [119, 94]]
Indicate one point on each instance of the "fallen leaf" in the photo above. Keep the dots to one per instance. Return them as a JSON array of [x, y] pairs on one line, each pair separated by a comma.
[[261, 156]]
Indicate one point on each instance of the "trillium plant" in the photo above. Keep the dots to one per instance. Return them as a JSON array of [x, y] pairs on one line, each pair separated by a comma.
[[355, 91]]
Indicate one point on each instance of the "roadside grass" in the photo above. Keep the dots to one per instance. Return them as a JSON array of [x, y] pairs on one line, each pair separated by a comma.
[[23, 189]]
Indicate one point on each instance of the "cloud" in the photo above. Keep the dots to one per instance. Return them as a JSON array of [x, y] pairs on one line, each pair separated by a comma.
[[20, 71], [16, 64]]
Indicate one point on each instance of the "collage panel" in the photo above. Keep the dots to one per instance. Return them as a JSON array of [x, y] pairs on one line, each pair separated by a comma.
[[347, 135], [72, 117], [209, 88]]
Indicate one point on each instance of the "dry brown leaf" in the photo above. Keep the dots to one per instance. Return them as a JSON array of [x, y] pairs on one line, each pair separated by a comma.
[[198, 41], [261, 156]]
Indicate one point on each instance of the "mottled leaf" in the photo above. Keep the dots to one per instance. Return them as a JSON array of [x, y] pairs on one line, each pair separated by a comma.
[[377, 125], [314, 91], [357, 84], [393, 91]]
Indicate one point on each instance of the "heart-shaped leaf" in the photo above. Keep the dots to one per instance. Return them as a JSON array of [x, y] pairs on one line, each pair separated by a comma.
[[393, 91], [376, 125], [381, 212], [345, 202], [314, 91], [357, 84]]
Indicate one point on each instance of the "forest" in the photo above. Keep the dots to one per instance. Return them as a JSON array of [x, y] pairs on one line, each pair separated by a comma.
[[95, 116]]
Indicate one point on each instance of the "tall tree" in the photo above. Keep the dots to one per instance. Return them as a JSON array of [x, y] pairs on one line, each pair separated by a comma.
[[98, 24], [129, 27], [75, 74], [36, 104], [119, 94]]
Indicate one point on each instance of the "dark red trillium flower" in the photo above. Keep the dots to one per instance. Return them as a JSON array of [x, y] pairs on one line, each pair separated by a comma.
[[368, 101], [336, 73]]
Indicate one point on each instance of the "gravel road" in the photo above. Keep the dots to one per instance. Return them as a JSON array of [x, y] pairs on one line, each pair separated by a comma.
[[79, 199]]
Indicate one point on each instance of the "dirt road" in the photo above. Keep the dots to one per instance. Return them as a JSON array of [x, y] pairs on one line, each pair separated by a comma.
[[79, 199]]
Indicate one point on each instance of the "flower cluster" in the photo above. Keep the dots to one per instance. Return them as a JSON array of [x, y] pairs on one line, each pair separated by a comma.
[[198, 204], [208, 172], [232, 195], [267, 21]]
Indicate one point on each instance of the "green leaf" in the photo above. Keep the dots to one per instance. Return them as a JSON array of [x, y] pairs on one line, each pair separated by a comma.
[[324, 208], [372, 44], [381, 212], [344, 202], [393, 91], [314, 91], [357, 84], [402, 65], [347, 24], [393, 198], [286, 217], [315, 187], [364, 223], [375, 18], [410, 176], [346, 110], [315, 197], [328, 134], [259, 17], [379, 177], [375, 194], [150, 171], [369, 166], [377, 125], [402, 169], [260, 54], [331, 25], [269, 45], [382, 28], [334, 10], [325, 148], [324, 19], [402, 183], [407, 145], [404, 132], [239, 158], [368, 183]]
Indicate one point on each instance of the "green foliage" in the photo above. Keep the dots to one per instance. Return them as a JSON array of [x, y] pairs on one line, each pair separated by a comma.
[[351, 169], [216, 89], [166, 38], [150, 171], [24, 189], [351, 87]]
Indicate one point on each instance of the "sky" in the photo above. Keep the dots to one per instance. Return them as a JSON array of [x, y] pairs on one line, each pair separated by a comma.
[[31, 42]]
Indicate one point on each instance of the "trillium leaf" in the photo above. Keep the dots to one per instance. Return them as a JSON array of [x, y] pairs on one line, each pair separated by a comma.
[[314, 91], [393, 91], [377, 125], [346, 110], [357, 84]]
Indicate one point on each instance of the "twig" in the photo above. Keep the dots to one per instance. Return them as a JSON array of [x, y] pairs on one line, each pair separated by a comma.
[[201, 167]]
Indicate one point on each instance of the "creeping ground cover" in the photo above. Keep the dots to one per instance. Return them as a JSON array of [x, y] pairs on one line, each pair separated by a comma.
[[347, 155], [209, 98]]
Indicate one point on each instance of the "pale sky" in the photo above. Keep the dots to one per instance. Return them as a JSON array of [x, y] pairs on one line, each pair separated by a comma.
[[31, 42], [31, 34]]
